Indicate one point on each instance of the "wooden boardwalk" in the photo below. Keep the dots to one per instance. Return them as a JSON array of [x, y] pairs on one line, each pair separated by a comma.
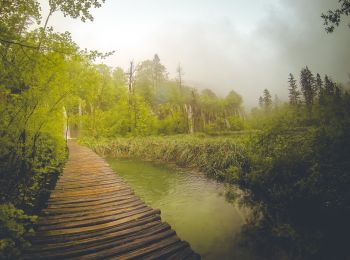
[[94, 214]]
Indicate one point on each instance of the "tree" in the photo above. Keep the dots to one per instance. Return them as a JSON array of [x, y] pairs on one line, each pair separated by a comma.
[[333, 17], [319, 84], [307, 81], [261, 102], [74, 8], [329, 86], [39, 71], [180, 73], [158, 71], [233, 103], [267, 99], [150, 74], [294, 94], [15, 17]]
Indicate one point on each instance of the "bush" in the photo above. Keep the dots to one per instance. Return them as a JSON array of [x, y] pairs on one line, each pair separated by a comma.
[[24, 189], [14, 224], [298, 180]]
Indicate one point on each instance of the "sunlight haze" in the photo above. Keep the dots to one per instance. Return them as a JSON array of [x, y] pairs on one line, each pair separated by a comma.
[[222, 45]]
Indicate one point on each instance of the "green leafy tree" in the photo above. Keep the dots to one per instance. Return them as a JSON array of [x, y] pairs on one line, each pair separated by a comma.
[[333, 17], [40, 75]]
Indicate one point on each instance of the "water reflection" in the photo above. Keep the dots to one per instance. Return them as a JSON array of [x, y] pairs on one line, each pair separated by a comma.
[[199, 209]]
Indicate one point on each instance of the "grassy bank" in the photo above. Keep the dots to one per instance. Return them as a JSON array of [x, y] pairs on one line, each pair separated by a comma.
[[218, 157]]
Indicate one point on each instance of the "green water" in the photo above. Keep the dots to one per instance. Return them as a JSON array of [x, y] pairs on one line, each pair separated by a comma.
[[192, 204]]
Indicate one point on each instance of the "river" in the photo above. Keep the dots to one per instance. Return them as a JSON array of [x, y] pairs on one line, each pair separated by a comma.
[[195, 206]]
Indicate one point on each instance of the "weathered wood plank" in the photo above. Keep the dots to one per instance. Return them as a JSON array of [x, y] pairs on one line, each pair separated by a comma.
[[109, 235], [91, 234], [83, 216], [93, 214]]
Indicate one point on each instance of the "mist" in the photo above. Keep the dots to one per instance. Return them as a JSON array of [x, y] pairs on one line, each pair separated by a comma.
[[221, 45]]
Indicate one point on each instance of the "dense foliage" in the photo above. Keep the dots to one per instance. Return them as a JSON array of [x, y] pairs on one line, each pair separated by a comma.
[[143, 101], [298, 174], [38, 75], [14, 225]]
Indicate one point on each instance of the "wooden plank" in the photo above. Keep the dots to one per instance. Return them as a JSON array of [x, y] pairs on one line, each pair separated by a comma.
[[69, 207], [78, 230], [105, 249], [93, 214], [96, 239], [88, 193], [94, 222], [131, 244], [91, 234], [83, 211], [90, 198], [109, 212]]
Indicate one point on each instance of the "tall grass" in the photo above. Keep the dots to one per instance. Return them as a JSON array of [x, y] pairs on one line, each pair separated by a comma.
[[216, 156]]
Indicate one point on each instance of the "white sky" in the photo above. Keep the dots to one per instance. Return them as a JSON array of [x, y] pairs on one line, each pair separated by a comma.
[[221, 44]]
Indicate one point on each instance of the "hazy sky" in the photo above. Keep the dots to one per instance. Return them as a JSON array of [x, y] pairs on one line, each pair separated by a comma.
[[221, 44]]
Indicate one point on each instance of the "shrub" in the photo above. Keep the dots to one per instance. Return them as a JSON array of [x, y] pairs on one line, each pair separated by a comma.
[[14, 224]]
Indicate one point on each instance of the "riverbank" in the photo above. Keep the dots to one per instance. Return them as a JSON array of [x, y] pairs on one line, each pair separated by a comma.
[[286, 173], [218, 157]]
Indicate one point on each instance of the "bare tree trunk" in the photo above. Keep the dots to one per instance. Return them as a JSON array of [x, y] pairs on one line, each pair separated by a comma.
[[189, 111]]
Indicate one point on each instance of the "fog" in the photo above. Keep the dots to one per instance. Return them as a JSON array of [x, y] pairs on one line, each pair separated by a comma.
[[223, 45]]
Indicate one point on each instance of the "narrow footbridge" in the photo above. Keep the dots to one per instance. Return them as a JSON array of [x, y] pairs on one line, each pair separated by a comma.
[[94, 214]]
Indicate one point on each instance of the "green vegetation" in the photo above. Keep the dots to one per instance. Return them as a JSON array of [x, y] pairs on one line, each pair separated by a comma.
[[39, 74], [216, 156], [291, 160], [14, 225], [148, 103], [294, 169], [298, 174]]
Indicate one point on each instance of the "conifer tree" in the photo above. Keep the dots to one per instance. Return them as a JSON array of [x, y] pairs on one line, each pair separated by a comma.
[[159, 71], [261, 102], [319, 84], [328, 86], [267, 99], [294, 94], [307, 81]]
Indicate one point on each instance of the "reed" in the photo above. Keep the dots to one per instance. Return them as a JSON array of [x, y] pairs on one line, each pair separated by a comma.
[[218, 157]]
